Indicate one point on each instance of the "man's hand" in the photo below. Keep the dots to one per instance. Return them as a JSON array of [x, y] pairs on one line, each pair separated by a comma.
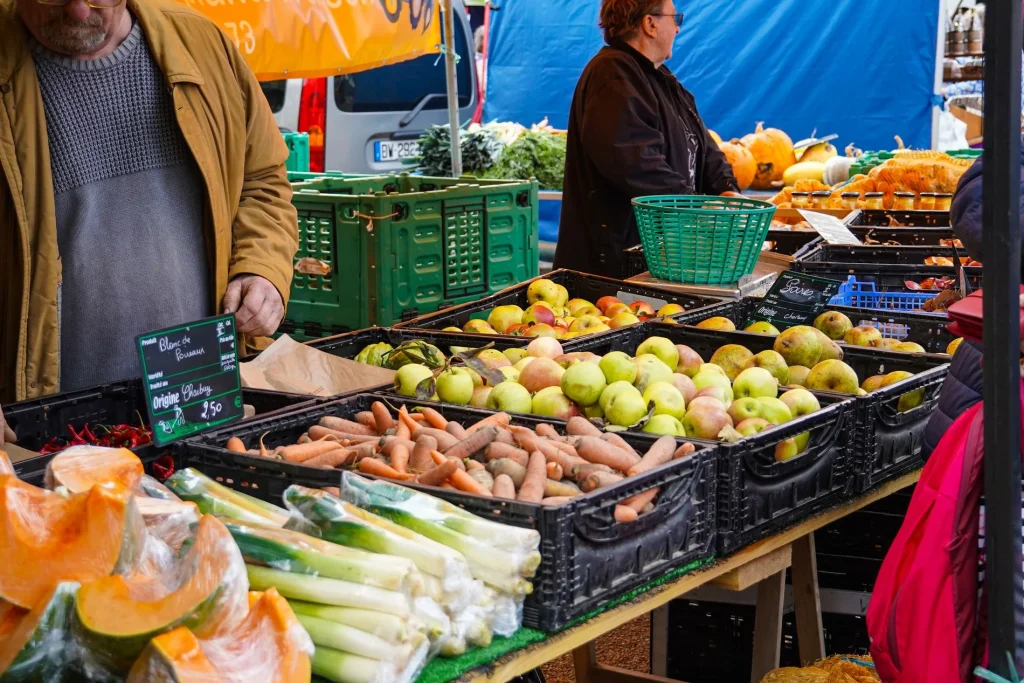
[[6, 433], [730, 193], [256, 303]]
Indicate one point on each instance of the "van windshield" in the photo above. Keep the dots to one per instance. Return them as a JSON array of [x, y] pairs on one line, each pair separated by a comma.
[[274, 92], [401, 86]]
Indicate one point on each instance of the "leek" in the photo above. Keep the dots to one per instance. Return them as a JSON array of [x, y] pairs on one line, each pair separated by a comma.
[[366, 493], [503, 583], [347, 639], [343, 667], [347, 525], [386, 626], [290, 551], [215, 499], [328, 591]]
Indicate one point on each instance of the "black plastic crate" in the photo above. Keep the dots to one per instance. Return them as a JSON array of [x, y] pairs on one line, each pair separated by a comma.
[[636, 262], [349, 345], [888, 267], [927, 330], [580, 286], [310, 331], [588, 559], [37, 421], [892, 219]]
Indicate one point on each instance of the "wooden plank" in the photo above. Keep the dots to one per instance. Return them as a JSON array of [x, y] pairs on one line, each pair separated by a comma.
[[612, 674], [518, 663], [807, 601], [744, 577], [659, 641], [771, 592], [584, 661]]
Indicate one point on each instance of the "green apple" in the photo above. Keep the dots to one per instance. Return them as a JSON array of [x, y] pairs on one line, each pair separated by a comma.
[[480, 396], [773, 362], [732, 358], [651, 369], [744, 409], [762, 327], [618, 367], [709, 367], [753, 425], [504, 317], [614, 389], [800, 402], [510, 373], [478, 381], [523, 362], [551, 402], [833, 375], [706, 378], [625, 408], [787, 449], [583, 383], [591, 412], [515, 355], [798, 375], [664, 425], [909, 400], [455, 386], [755, 383], [510, 397], [661, 347], [667, 399], [862, 335], [408, 377], [774, 410]]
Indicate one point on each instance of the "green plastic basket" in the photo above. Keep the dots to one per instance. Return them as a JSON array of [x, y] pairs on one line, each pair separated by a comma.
[[702, 240]]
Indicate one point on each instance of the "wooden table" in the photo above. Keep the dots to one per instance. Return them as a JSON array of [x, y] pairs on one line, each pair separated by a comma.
[[763, 564]]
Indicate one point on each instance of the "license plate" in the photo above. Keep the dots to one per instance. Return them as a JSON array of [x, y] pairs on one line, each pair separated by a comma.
[[387, 150]]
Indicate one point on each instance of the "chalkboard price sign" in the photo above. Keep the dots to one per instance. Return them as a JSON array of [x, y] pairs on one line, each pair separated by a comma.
[[795, 299], [190, 376]]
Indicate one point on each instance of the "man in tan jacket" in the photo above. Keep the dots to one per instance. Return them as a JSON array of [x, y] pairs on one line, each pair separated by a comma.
[[142, 185]]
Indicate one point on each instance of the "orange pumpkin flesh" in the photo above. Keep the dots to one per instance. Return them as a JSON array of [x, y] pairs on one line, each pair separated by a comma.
[[268, 645], [742, 161], [5, 464], [79, 469], [46, 538]]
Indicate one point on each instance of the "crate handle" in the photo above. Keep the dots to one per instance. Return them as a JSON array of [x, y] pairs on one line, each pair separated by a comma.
[[825, 436], [887, 409], [370, 219]]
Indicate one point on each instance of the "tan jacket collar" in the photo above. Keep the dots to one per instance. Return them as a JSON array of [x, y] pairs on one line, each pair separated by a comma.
[[168, 50]]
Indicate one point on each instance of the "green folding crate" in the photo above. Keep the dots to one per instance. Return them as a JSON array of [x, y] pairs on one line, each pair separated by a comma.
[[380, 250], [298, 151]]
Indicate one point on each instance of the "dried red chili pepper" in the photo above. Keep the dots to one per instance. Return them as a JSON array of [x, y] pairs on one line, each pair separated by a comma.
[[163, 467]]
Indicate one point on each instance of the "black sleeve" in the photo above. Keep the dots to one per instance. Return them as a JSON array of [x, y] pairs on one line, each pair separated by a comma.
[[621, 136], [718, 177]]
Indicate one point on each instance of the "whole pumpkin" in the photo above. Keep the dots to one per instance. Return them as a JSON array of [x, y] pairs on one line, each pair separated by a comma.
[[742, 161], [773, 153], [715, 136]]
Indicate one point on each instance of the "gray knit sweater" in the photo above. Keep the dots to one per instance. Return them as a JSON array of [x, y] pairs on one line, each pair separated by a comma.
[[129, 204]]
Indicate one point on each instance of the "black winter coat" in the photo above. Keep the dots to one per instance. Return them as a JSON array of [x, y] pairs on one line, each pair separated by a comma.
[[633, 131]]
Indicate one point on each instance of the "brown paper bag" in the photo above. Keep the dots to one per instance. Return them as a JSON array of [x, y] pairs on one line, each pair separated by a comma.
[[289, 366]]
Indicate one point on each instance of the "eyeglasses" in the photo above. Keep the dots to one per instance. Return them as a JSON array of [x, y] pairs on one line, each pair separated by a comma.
[[677, 17], [94, 4]]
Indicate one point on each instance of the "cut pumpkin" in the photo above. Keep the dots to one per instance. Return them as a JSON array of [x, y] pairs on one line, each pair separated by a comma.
[[80, 468], [205, 591], [46, 538], [170, 521], [6, 467], [33, 643], [268, 645]]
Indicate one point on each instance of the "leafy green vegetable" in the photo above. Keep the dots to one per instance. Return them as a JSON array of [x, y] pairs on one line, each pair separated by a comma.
[[536, 154], [480, 149]]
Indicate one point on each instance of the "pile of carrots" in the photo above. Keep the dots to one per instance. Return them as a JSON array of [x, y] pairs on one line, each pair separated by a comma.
[[491, 458]]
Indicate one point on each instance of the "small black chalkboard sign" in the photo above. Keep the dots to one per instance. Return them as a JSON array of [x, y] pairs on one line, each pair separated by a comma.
[[795, 299], [190, 376]]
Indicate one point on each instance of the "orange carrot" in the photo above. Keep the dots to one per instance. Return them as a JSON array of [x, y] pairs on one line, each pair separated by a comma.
[[548, 432], [402, 430], [495, 420], [684, 450], [338, 457], [263, 449], [599, 451], [302, 452], [462, 481], [497, 451], [366, 419], [434, 418], [599, 480], [476, 441], [624, 514], [532, 490], [389, 443], [566, 462], [474, 465], [305, 439], [556, 500], [554, 471], [363, 450], [343, 425], [617, 441], [407, 420], [658, 454], [585, 469], [420, 460], [443, 438], [503, 487], [379, 469], [235, 445], [317, 432], [400, 458], [505, 437], [333, 490], [456, 430], [566, 448], [418, 418], [581, 426], [448, 485], [382, 420], [438, 475]]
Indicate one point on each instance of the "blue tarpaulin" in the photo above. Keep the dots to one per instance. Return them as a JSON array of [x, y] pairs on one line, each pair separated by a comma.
[[864, 70]]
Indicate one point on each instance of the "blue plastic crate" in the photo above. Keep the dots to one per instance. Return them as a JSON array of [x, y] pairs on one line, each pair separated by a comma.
[[864, 295]]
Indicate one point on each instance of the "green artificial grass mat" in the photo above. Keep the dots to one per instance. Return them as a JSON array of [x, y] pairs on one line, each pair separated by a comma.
[[442, 670]]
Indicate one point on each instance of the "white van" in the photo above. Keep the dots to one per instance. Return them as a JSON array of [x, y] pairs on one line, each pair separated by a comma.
[[369, 122]]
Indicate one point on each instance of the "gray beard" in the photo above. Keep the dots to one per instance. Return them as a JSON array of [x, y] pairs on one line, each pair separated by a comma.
[[73, 39]]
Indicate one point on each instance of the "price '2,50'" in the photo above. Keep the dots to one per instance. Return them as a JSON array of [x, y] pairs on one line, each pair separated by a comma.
[[211, 409], [241, 32]]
